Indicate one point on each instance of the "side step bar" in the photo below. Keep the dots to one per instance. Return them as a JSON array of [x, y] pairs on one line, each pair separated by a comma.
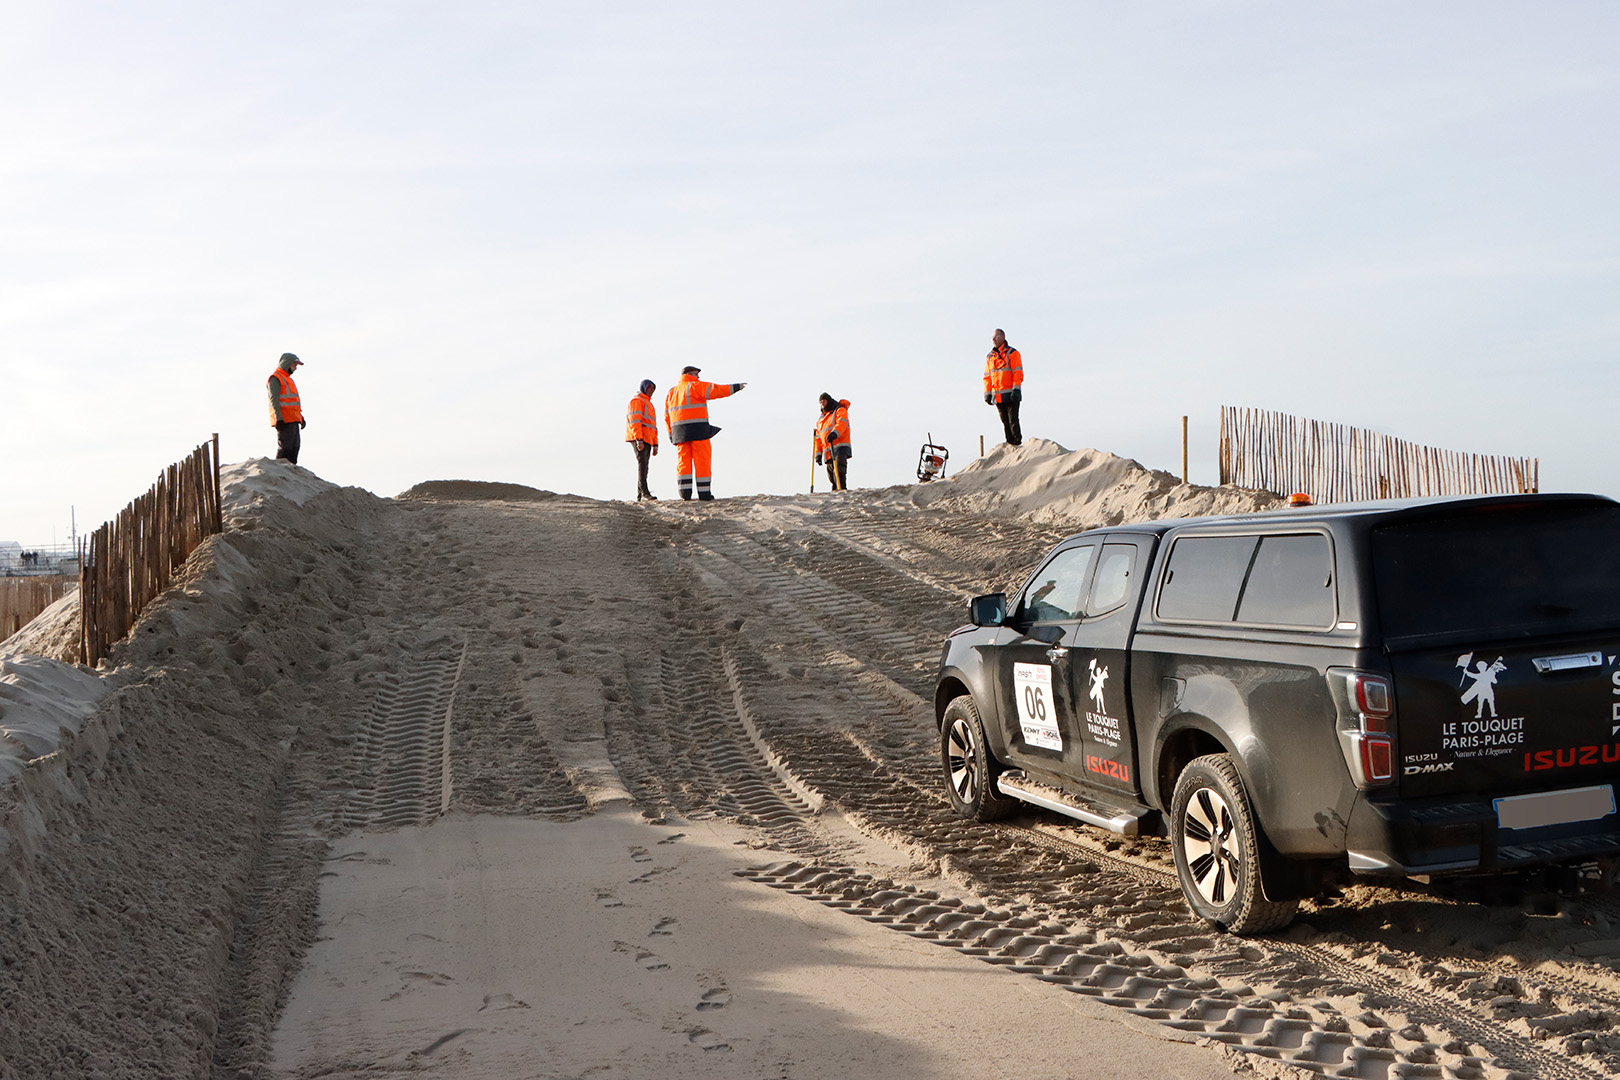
[[1125, 822]]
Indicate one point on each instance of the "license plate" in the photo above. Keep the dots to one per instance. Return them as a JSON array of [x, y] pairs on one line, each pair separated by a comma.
[[1555, 807]]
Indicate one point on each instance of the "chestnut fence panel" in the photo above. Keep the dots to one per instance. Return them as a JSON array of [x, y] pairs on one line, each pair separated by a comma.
[[21, 598], [1339, 463], [126, 563]]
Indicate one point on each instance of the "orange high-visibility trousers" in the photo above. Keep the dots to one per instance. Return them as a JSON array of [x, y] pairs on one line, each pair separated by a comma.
[[692, 461]]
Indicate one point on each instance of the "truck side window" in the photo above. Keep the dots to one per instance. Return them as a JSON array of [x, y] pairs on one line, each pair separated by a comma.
[[1113, 582], [1290, 583], [1204, 577], [1053, 595]]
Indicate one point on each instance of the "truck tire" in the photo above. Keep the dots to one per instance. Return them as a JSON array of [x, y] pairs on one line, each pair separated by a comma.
[[1217, 849], [970, 774]]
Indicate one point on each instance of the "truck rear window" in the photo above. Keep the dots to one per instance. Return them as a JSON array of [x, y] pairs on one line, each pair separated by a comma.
[[1517, 570], [1272, 580]]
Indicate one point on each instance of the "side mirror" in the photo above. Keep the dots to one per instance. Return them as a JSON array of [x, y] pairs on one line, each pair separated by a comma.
[[989, 610]]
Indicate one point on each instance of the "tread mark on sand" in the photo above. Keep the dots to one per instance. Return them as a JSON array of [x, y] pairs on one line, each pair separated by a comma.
[[665, 927], [607, 899], [1321, 1037], [639, 854], [404, 748], [672, 838]]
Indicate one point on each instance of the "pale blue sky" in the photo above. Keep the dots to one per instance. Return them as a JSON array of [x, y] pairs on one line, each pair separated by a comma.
[[483, 224]]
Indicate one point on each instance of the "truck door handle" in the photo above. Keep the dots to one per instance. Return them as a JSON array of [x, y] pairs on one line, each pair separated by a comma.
[[1056, 653], [1570, 662]]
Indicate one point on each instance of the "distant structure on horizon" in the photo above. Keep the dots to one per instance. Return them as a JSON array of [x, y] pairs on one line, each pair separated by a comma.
[[18, 561]]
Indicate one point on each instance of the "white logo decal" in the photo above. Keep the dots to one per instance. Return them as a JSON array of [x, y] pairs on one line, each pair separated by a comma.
[[1438, 766], [1099, 675], [1483, 689]]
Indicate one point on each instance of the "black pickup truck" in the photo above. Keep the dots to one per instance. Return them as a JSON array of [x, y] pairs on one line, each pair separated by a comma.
[[1412, 688]]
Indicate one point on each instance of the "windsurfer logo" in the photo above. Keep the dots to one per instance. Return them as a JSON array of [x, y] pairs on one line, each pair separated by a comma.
[[1483, 689], [1099, 675]]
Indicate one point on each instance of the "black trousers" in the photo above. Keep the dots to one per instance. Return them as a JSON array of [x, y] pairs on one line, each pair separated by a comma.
[[643, 451], [287, 441], [838, 473], [1008, 408]]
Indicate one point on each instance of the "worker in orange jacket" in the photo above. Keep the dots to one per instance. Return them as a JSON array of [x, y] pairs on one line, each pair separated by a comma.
[[833, 447], [686, 416], [641, 432], [1003, 385], [286, 410]]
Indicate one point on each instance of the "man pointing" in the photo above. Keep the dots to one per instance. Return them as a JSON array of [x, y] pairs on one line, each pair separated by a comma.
[[686, 415]]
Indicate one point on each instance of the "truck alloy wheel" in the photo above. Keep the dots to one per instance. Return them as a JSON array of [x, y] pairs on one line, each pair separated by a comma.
[[1217, 850], [969, 770]]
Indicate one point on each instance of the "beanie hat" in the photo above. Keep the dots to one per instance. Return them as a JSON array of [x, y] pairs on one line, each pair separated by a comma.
[[647, 386]]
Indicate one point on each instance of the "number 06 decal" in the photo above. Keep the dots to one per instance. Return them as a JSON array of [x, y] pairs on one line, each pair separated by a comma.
[[1032, 689]]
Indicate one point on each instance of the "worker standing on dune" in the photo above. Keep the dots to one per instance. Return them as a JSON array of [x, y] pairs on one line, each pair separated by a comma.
[[1003, 385], [686, 415], [286, 410], [641, 432], [832, 440]]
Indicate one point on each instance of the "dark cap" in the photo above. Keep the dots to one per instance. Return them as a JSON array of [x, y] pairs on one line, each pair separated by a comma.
[[690, 370], [290, 358]]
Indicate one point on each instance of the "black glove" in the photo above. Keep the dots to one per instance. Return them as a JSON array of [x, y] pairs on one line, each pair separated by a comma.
[[987, 397], [302, 424], [832, 437], [818, 458], [736, 386]]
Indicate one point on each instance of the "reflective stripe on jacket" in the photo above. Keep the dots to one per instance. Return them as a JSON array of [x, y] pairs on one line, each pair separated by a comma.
[[641, 420], [1003, 370], [686, 408], [835, 422], [288, 408]]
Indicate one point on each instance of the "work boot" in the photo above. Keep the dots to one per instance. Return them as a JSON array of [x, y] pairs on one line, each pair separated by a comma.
[[649, 495], [706, 497]]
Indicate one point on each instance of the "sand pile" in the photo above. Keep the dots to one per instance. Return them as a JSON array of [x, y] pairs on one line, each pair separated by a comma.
[[1044, 483], [474, 491], [41, 702], [126, 847]]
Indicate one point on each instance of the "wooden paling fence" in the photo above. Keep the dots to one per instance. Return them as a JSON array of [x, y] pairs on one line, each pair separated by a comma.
[[1338, 463], [21, 598], [126, 563]]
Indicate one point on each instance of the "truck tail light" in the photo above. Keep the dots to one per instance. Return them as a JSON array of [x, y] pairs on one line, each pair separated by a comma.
[[1366, 703], [1377, 759], [1373, 701]]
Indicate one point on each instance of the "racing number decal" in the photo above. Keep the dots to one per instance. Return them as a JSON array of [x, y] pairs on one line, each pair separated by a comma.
[[1032, 689]]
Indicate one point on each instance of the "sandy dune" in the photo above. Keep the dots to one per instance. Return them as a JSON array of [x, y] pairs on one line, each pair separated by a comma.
[[487, 781]]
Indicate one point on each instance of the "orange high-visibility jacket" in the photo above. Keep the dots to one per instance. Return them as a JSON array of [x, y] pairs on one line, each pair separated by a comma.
[[288, 408], [1003, 370], [686, 408], [836, 424], [641, 420]]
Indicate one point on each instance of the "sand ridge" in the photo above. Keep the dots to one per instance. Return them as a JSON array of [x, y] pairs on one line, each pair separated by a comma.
[[282, 735]]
